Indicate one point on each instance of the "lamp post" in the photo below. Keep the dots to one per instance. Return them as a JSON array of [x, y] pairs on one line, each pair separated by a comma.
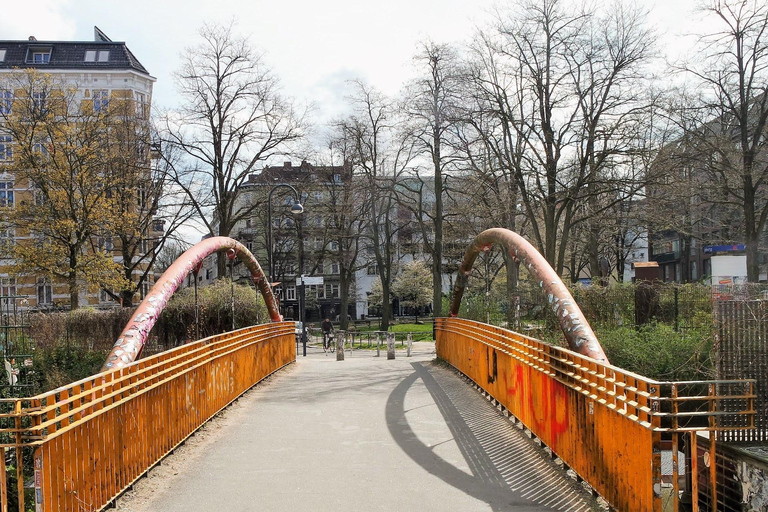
[[296, 209]]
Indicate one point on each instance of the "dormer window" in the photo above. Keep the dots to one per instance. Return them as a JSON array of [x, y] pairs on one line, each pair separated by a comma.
[[2, 54], [39, 55]]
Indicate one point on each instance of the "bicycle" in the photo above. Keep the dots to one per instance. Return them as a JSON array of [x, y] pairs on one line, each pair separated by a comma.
[[328, 343]]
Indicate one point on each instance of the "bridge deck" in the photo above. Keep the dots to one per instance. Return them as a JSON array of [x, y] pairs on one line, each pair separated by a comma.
[[363, 434]]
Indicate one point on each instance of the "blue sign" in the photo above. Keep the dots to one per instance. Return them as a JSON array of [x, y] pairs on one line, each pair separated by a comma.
[[710, 249]]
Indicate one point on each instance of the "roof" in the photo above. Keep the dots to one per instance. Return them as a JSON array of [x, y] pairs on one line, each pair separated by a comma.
[[288, 173], [70, 54]]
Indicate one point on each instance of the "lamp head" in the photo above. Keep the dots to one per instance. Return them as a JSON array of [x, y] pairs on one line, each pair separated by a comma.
[[296, 208]]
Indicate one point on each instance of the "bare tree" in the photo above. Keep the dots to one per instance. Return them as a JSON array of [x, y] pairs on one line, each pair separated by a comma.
[[381, 156], [232, 120], [729, 131], [562, 86], [431, 107]]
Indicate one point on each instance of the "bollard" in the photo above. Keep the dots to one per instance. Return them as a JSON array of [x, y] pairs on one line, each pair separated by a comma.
[[378, 344], [410, 344], [390, 345], [340, 338]]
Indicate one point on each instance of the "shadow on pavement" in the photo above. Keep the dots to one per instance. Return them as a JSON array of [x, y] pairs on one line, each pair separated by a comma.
[[530, 483]]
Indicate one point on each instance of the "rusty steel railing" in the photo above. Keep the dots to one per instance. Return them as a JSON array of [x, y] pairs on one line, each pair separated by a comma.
[[607, 424], [90, 440]]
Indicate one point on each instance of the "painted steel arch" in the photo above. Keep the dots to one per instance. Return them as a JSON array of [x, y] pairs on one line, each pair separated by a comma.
[[131, 341], [577, 331]]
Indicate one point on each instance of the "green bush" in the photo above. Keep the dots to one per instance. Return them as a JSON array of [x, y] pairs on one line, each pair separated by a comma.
[[215, 303], [659, 352], [63, 364]]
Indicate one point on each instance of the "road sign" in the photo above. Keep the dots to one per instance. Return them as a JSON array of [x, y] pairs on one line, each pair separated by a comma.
[[309, 280]]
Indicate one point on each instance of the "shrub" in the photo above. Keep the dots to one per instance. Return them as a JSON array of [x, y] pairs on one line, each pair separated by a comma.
[[215, 311], [659, 352]]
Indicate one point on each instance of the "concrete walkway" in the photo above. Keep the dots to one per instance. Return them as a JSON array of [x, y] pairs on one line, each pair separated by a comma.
[[358, 435]]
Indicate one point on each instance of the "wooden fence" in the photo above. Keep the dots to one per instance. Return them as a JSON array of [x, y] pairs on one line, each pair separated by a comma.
[[607, 424], [92, 439]]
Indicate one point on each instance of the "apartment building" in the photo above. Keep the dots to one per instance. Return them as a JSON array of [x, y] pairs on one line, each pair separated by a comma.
[[98, 75]]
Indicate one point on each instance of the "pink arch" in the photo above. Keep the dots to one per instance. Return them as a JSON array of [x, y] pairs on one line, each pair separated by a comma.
[[577, 331], [131, 341]]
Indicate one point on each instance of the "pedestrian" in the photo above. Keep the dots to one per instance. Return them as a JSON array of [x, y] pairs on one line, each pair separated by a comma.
[[327, 328]]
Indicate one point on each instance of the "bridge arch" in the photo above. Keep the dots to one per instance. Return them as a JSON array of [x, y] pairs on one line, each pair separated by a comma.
[[131, 341], [577, 331]]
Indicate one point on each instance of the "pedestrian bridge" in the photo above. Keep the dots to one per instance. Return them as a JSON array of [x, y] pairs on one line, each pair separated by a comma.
[[367, 433]]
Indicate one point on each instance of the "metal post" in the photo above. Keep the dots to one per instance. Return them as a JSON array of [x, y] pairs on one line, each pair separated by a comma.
[[677, 310], [197, 310], [390, 345], [232, 289], [295, 209], [303, 316], [410, 344], [340, 338]]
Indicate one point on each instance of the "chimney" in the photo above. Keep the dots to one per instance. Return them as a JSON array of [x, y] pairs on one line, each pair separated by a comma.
[[32, 38], [287, 165]]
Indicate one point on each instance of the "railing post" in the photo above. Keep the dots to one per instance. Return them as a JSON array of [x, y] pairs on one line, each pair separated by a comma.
[[675, 449], [19, 457], [3, 484], [410, 344], [694, 472], [390, 345]]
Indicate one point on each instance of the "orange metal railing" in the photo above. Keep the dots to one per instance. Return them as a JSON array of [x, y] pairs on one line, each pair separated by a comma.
[[607, 424], [92, 439]]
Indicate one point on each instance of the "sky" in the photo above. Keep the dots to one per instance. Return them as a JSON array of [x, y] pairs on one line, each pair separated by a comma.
[[313, 46]]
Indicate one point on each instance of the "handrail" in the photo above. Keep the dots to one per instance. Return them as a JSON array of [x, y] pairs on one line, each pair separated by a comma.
[[575, 327], [131, 341]]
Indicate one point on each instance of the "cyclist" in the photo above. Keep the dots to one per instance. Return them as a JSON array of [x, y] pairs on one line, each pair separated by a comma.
[[327, 328]]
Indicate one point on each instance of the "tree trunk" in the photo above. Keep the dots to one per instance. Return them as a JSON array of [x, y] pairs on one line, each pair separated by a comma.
[[126, 298], [344, 292]]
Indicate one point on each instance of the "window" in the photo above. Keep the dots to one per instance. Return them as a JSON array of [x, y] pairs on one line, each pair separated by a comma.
[[104, 296], [319, 196], [39, 103], [6, 102], [7, 236], [144, 288], [90, 56], [100, 99], [373, 270], [6, 148], [6, 194], [105, 243], [335, 267], [332, 290], [41, 57], [337, 178], [103, 55], [44, 292], [321, 292], [318, 244], [141, 104], [7, 287], [334, 246], [2, 55], [40, 148], [249, 246], [291, 292]]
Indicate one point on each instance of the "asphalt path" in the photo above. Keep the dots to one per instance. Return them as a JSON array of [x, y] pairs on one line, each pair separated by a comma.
[[365, 433]]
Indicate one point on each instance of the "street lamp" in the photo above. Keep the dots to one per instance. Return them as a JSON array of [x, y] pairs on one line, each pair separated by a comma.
[[296, 209]]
